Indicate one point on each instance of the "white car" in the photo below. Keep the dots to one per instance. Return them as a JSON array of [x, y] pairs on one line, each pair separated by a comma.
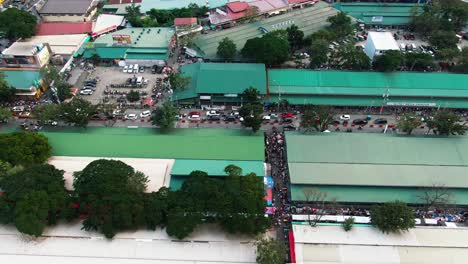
[[125, 69], [345, 117], [194, 117], [145, 114], [86, 92], [131, 116], [267, 117]]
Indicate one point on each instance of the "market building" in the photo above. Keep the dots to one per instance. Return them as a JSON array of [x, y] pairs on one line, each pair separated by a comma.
[[68, 10], [220, 83], [369, 89], [143, 46], [376, 168], [375, 14]]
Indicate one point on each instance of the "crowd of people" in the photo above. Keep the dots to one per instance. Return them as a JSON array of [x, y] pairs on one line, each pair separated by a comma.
[[275, 148]]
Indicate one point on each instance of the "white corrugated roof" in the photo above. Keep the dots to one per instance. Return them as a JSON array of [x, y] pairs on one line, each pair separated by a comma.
[[383, 40]]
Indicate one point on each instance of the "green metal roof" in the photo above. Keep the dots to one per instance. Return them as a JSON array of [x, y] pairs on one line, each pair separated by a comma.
[[359, 194], [204, 144], [146, 56], [215, 167], [105, 53], [222, 78], [364, 148], [156, 37], [309, 20], [381, 13], [375, 167], [21, 79], [367, 88], [379, 175]]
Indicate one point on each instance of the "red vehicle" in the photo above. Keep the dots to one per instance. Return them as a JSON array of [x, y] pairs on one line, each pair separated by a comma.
[[287, 115], [194, 113]]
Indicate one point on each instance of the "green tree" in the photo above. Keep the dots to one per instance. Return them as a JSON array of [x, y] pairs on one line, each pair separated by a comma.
[[46, 112], [392, 217], [34, 197], [17, 23], [181, 223], [179, 82], [408, 122], [133, 96], [251, 95], [271, 49], [226, 49], [270, 251], [419, 62], [340, 25], [156, 208], [443, 39], [318, 53], [77, 112], [63, 90], [389, 61], [5, 114], [31, 212], [134, 15], [462, 65], [24, 148], [7, 93], [5, 167], [295, 36], [233, 170], [447, 123], [50, 74], [165, 116], [348, 224], [350, 58], [317, 118], [252, 114], [111, 193], [447, 54]]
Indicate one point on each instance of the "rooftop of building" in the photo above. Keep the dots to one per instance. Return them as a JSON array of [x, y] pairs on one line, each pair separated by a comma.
[[157, 37], [382, 41], [308, 20], [376, 167], [21, 48], [265, 6], [200, 144], [410, 84], [60, 44], [106, 22], [237, 6], [181, 21], [64, 28], [21, 79], [380, 13], [66, 7], [370, 245], [222, 78]]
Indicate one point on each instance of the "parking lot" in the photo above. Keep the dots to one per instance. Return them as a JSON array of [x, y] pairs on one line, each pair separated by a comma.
[[113, 76]]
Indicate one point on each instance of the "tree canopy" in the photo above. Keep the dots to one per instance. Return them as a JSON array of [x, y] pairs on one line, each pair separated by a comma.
[[271, 49], [389, 61], [165, 115], [33, 197], [5, 114], [251, 95], [317, 117], [252, 114], [77, 112], [24, 148], [270, 251], [17, 23], [226, 49], [133, 96], [392, 217], [7, 93], [178, 81], [447, 123], [348, 57], [295, 36], [318, 53], [340, 25], [408, 122]]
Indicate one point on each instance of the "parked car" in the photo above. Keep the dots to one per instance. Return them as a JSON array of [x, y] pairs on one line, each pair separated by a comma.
[[145, 113], [142, 69], [345, 117], [380, 121], [267, 117], [86, 92], [230, 118], [131, 116], [360, 122], [287, 115], [125, 69], [214, 118]]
